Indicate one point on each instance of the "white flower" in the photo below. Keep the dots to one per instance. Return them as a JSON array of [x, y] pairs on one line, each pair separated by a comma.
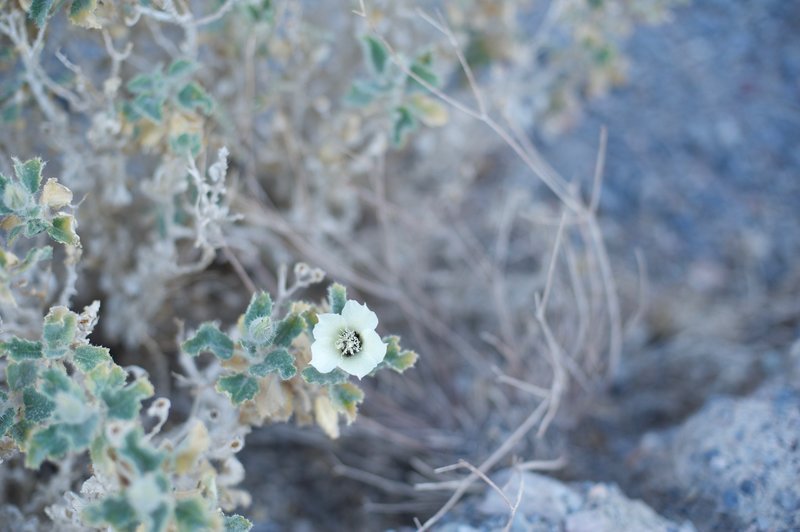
[[348, 341]]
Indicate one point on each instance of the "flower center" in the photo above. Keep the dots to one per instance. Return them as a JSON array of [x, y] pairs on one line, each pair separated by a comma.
[[348, 343]]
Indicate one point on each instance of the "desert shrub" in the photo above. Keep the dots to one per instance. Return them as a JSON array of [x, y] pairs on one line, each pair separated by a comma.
[[211, 143]]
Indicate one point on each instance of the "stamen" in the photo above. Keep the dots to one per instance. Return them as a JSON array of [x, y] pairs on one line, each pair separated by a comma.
[[348, 343]]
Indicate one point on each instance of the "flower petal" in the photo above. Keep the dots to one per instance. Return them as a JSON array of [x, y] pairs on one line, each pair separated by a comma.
[[324, 356], [359, 317], [358, 365], [374, 348], [328, 327]]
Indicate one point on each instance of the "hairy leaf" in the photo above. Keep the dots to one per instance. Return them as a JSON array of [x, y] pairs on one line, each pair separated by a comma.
[[237, 523], [337, 297], [397, 359], [193, 96], [38, 11], [87, 357], [346, 397], [115, 512], [20, 375], [125, 403], [140, 453], [279, 361], [59, 331], [238, 387], [288, 329], [29, 173], [62, 230], [192, 515], [337, 376], [37, 406], [404, 124], [377, 54], [47, 443], [209, 338]]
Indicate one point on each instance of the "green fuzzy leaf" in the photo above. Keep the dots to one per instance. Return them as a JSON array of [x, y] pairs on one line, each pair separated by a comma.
[[115, 512], [16, 197], [478, 52], [126, 403], [159, 518], [56, 440], [180, 68], [81, 8], [260, 307], [87, 357], [362, 93], [421, 69], [129, 112], [194, 96], [37, 406], [4, 181], [311, 318], [377, 54], [29, 173], [21, 375], [20, 431], [15, 232], [38, 11], [34, 256], [346, 397], [337, 297], [35, 226], [237, 523], [186, 143], [6, 420], [238, 387], [98, 455], [80, 434], [209, 338], [56, 380], [47, 443], [404, 124], [59, 330], [312, 376], [140, 453], [10, 112], [105, 379], [397, 359], [346, 393], [260, 10], [288, 329], [151, 107], [145, 84], [279, 361], [62, 230], [192, 515]]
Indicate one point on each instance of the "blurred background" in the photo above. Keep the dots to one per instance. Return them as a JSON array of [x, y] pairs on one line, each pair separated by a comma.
[[700, 209], [582, 214]]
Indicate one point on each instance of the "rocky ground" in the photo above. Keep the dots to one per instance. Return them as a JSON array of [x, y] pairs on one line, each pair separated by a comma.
[[702, 422]]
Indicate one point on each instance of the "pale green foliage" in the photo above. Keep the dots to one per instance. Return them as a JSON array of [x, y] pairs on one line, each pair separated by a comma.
[[136, 132], [256, 354], [402, 93], [27, 213], [64, 396]]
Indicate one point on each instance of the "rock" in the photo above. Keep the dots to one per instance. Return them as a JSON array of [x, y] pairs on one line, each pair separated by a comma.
[[663, 386], [734, 465], [549, 505], [12, 520]]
